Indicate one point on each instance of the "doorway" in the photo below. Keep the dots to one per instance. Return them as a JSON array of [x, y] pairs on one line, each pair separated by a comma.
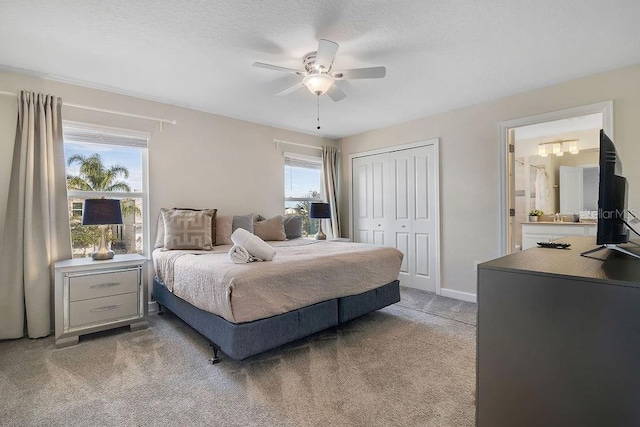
[[534, 149]]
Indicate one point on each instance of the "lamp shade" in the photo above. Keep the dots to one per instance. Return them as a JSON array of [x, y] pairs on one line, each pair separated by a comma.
[[320, 210], [101, 212]]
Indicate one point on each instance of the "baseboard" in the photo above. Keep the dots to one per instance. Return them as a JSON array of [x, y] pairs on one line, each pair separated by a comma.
[[464, 296], [153, 307]]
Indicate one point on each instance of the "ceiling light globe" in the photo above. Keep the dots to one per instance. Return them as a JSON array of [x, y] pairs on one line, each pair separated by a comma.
[[318, 83]]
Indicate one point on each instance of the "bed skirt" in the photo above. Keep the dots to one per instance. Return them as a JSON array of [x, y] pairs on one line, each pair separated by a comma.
[[242, 340]]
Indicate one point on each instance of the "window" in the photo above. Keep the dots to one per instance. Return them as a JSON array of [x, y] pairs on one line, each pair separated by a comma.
[[111, 163], [76, 209], [302, 185]]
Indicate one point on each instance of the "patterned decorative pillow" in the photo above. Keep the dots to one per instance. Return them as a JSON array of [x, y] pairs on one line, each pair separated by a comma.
[[293, 226], [187, 229], [213, 221], [270, 229], [160, 226]]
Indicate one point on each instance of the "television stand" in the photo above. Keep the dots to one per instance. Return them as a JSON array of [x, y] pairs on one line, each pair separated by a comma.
[[558, 341], [613, 247]]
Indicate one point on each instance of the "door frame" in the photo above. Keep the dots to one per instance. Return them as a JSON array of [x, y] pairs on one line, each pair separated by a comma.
[[605, 108], [435, 142]]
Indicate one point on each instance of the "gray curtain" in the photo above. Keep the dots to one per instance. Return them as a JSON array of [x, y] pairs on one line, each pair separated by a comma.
[[330, 168], [36, 229]]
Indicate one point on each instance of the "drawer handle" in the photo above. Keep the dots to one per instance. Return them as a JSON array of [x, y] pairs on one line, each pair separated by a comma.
[[105, 308], [105, 285]]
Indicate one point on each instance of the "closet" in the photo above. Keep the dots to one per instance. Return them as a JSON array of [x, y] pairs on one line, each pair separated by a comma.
[[395, 203]]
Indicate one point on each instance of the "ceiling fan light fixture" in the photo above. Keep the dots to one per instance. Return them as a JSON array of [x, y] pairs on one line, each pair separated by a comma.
[[318, 83]]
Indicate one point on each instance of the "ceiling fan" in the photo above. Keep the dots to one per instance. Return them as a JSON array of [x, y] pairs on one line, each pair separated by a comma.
[[318, 76]]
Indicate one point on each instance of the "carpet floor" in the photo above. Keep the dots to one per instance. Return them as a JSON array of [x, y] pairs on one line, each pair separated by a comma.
[[410, 364]]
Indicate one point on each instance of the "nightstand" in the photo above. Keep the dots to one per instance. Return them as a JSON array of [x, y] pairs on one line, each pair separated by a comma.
[[92, 296]]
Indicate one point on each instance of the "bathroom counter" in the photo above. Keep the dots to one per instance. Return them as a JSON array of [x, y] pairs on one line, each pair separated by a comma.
[[546, 231], [560, 223]]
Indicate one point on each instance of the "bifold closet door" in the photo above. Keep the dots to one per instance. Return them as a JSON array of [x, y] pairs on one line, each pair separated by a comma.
[[370, 175], [412, 227], [394, 205]]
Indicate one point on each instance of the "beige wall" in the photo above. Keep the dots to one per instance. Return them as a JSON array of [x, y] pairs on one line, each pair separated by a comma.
[[470, 160], [204, 161]]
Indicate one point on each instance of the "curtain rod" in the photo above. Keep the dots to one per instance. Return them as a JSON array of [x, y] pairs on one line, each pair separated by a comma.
[[530, 165], [102, 110]]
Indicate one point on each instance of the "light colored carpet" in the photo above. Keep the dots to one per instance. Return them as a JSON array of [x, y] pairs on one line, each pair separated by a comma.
[[411, 364]]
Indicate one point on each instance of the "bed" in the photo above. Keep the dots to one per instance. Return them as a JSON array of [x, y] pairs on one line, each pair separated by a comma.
[[246, 309]]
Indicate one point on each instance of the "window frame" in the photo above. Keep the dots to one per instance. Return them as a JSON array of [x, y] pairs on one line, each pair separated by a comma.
[[144, 152], [309, 159]]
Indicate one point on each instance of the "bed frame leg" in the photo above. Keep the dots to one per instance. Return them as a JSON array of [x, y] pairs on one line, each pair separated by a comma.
[[160, 312], [215, 359]]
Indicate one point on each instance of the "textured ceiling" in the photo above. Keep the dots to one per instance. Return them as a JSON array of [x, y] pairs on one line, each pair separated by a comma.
[[440, 54]]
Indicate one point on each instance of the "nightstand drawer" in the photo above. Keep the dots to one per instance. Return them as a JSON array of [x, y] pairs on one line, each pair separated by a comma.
[[102, 284], [103, 309]]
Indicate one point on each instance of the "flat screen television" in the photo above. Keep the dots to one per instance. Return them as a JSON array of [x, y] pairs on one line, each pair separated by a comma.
[[612, 200]]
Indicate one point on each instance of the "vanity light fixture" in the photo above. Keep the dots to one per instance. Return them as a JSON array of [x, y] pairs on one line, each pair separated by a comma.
[[542, 150], [557, 147], [573, 147]]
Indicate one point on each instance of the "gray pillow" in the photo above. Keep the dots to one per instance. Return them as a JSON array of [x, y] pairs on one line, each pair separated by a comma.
[[293, 226], [242, 221]]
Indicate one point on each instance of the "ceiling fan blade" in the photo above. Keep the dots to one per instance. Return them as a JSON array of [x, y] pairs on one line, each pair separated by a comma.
[[290, 90], [277, 68], [326, 54], [336, 93], [361, 73]]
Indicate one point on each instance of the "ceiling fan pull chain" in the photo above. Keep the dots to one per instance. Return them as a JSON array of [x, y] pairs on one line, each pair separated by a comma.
[[318, 110]]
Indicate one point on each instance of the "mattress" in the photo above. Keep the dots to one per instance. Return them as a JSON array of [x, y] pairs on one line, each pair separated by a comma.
[[304, 272]]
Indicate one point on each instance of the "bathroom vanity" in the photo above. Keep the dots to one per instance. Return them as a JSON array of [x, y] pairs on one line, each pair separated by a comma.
[[534, 232]]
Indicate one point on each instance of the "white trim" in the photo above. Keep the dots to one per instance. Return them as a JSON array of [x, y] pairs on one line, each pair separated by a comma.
[[436, 143], [153, 307], [106, 129], [459, 295], [81, 194], [144, 195], [605, 108], [395, 148], [304, 157]]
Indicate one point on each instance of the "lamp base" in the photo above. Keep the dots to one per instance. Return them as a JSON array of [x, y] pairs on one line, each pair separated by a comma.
[[102, 253], [320, 235], [102, 256]]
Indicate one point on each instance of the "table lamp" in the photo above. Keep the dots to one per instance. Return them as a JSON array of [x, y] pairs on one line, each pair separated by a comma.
[[102, 212], [320, 211]]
